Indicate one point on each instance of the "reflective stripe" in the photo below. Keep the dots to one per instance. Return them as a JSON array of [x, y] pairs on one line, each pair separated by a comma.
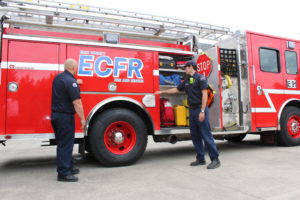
[[118, 93], [32, 66], [37, 136], [272, 109]]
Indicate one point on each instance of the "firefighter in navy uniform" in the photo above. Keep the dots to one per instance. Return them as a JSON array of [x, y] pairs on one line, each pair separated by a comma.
[[66, 101], [195, 85]]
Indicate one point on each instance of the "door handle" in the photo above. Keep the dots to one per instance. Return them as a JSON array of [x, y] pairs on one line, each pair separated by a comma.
[[13, 86], [259, 90], [254, 75]]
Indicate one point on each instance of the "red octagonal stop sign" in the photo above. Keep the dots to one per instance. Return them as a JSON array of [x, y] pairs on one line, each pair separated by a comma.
[[204, 65]]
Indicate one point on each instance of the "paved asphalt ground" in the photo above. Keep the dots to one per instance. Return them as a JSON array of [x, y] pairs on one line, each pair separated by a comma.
[[250, 170]]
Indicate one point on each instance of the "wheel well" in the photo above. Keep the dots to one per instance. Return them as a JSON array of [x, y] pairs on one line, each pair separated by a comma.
[[295, 103], [126, 105]]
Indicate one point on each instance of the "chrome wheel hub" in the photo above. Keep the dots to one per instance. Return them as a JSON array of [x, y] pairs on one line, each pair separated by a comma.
[[295, 127], [118, 137]]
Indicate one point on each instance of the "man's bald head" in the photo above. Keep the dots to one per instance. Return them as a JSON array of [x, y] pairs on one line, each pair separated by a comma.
[[71, 65]]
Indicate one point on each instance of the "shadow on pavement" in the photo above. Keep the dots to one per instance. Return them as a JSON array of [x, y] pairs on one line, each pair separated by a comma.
[[167, 152], [151, 154], [43, 163]]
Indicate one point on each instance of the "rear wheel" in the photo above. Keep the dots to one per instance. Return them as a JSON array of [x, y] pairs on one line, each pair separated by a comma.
[[290, 127], [118, 137], [235, 138]]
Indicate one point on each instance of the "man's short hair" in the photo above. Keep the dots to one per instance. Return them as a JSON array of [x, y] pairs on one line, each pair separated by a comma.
[[70, 63]]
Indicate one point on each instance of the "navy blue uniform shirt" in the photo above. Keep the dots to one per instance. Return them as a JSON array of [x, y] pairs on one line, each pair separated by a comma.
[[193, 85], [64, 91]]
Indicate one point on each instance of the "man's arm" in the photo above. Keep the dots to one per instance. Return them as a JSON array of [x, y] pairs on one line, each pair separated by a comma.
[[204, 99], [168, 91], [203, 106], [79, 110]]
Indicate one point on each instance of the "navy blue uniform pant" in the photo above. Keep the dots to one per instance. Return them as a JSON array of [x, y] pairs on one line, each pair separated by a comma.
[[200, 132], [64, 129]]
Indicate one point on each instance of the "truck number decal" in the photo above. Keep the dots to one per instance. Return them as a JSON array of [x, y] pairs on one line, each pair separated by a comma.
[[291, 83]]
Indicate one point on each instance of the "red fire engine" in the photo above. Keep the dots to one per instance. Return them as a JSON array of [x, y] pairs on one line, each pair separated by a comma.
[[122, 58]]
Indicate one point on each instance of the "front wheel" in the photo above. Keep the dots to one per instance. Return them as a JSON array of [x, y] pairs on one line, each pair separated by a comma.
[[290, 127], [118, 137]]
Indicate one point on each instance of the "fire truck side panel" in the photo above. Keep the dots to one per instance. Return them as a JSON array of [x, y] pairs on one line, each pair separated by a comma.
[[31, 67], [131, 71], [267, 79], [3, 74]]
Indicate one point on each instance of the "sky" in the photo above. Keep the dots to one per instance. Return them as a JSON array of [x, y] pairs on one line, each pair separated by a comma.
[[272, 17]]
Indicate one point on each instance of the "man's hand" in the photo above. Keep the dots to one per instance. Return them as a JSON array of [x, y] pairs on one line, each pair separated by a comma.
[[83, 122], [168, 91], [79, 81], [201, 116]]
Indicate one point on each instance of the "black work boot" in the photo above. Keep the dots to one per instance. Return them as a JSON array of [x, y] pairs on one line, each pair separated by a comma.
[[68, 178], [75, 171], [198, 162], [215, 163]]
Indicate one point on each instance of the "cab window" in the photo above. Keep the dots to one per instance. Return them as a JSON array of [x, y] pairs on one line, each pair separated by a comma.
[[291, 62], [269, 60]]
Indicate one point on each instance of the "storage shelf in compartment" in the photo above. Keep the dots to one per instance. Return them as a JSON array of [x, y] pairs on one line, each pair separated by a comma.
[[171, 70]]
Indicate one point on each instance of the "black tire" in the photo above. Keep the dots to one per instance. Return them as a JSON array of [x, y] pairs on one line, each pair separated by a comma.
[[235, 138], [289, 136], [106, 149]]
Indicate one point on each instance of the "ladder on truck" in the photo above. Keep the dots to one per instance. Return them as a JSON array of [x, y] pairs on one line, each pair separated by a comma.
[[84, 18]]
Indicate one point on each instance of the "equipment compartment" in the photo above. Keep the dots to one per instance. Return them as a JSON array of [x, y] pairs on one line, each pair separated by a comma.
[[170, 77]]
